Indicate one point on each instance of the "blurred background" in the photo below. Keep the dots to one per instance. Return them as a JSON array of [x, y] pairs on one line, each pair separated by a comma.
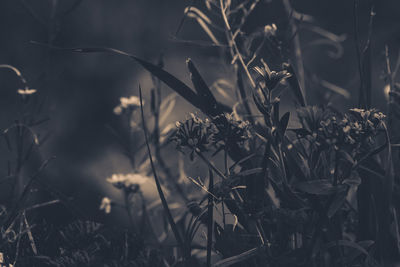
[[81, 90]]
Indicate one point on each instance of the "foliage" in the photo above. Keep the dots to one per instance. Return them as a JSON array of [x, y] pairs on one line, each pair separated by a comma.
[[319, 194]]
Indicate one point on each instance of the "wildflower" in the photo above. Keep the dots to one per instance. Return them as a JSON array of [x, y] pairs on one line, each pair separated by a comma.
[[26, 91], [194, 134], [106, 205], [118, 110], [128, 104], [128, 182], [346, 129], [230, 130], [133, 101], [270, 29]]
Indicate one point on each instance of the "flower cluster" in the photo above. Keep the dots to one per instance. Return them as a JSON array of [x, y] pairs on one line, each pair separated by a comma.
[[230, 131], [127, 104], [355, 129], [129, 182], [197, 134], [194, 134]]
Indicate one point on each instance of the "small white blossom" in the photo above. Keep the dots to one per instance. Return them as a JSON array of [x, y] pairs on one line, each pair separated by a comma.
[[106, 205], [127, 181], [26, 91], [133, 101], [270, 30], [127, 103], [117, 110]]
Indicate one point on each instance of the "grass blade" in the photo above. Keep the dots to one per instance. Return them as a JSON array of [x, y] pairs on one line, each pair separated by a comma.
[[238, 258], [205, 96], [158, 184], [295, 86], [174, 83]]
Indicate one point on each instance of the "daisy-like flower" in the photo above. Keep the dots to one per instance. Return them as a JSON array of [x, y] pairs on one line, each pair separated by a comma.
[[128, 104], [129, 182], [106, 205], [26, 91]]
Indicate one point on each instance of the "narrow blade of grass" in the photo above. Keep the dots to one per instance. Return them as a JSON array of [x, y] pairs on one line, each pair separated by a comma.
[[205, 96], [238, 258], [158, 184]]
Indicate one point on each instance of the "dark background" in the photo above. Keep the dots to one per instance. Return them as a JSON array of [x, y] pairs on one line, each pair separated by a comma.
[[82, 90]]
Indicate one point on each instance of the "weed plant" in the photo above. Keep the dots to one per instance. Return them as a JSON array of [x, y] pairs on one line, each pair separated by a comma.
[[322, 192]]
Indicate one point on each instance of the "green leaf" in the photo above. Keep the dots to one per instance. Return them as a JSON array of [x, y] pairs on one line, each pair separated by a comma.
[[346, 156], [338, 201], [238, 258], [317, 187], [206, 98], [283, 123], [295, 86], [164, 202], [249, 172], [347, 243], [174, 83], [355, 252]]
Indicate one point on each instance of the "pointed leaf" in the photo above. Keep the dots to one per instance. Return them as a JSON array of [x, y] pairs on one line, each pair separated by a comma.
[[338, 201], [283, 123], [204, 94], [170, 80], [295, 86], [317, 187], [238, 258]]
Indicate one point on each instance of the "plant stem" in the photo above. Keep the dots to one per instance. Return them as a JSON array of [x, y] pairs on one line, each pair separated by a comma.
[[297, 47], [210, 217], [232, 44]]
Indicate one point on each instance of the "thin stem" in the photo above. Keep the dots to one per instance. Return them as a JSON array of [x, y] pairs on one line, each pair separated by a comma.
[[297, 47], [128, 210], [232, 44], [210, 218], [210, 165], [226, 162]]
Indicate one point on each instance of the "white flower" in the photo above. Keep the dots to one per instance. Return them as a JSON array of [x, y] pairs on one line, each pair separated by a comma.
[[131, 101], [270, 30], [127, 103], [127, 181], [118, 110], [26, 91], [106, 205]]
